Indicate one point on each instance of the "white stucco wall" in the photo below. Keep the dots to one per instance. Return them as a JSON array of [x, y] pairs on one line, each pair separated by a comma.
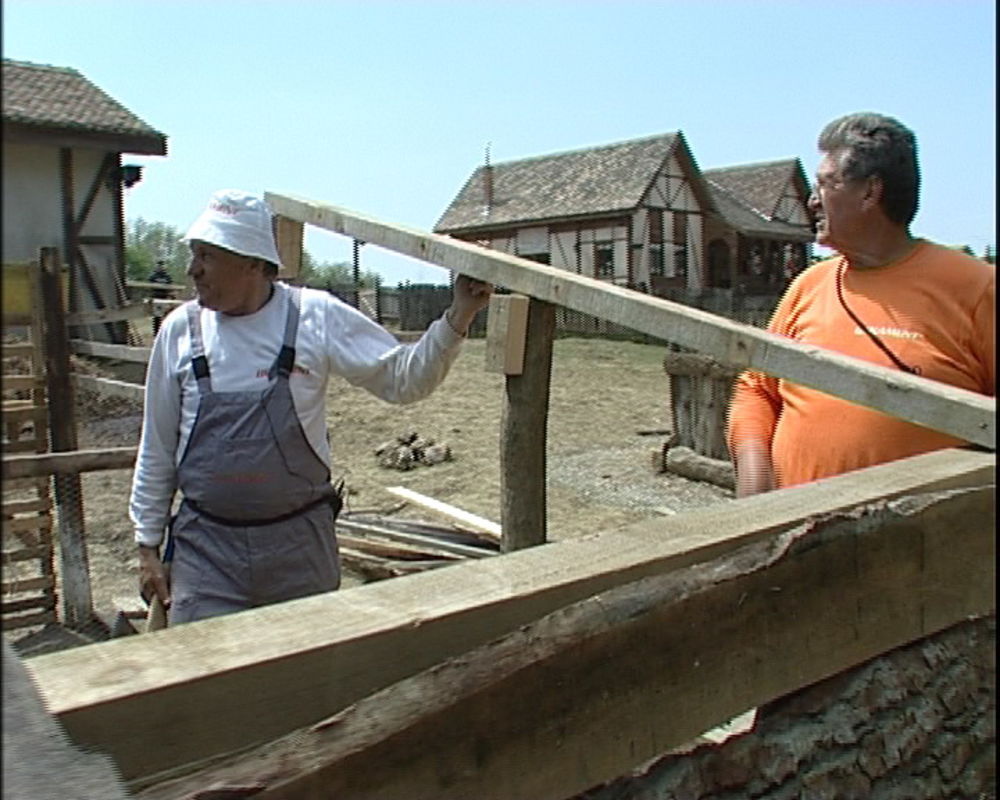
[[32, 213]]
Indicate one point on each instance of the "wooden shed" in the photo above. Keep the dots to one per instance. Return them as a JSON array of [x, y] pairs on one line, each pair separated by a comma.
[[63, 180]]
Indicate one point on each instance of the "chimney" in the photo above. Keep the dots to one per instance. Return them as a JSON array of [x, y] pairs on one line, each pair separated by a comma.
[[487, 184]]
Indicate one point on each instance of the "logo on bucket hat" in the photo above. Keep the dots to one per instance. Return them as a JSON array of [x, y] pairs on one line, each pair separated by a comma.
[[237, 221]]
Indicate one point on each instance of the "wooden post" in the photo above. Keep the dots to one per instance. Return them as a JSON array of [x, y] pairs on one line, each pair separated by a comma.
[[523, 435], [74, 567]]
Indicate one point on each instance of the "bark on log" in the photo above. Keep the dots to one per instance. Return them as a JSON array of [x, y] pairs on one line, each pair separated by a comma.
[[697, 364]]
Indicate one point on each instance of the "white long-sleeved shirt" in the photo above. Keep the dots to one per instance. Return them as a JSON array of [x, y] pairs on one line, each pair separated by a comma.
[[332, 339]]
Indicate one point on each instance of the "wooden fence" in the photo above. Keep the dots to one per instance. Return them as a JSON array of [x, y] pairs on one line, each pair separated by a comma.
[[394, 689]]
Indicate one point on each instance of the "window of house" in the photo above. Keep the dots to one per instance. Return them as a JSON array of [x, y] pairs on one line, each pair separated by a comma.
[[655, 225], [657, 265], [541, 258], [604, 259], [680, 244]]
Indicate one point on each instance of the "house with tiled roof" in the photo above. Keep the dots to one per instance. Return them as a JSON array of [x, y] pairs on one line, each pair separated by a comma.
[[639, 213], [63, 175], [763, 228]]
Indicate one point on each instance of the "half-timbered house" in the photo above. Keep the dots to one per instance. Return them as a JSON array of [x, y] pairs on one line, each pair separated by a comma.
[[761, 233], [641, 214]]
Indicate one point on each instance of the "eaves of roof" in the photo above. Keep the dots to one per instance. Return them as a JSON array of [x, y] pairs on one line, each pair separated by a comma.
[[58, 104]]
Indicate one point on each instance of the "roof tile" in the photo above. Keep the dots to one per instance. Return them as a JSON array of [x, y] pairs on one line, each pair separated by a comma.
[[59, 97]]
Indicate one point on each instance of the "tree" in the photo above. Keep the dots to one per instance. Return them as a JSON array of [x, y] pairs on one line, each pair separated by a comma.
[[149, 242]]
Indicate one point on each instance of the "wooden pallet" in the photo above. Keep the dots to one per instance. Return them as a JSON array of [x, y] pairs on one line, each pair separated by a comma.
[[28, 586]]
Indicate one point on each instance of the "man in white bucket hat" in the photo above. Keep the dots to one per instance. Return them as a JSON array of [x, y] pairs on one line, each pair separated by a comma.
[[235, 421]]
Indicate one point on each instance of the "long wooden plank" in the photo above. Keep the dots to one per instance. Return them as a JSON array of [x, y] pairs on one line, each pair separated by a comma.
[[110, 387], [595, 689], [67, 463], [117, 351], [459, 515], [153, 709], [961, 413], [139, 310]]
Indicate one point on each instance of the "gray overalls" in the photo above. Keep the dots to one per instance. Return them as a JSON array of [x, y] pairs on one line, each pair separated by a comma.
[[256, 524]]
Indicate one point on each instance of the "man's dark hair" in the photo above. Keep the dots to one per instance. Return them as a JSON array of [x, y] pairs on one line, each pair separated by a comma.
[[873, 144]]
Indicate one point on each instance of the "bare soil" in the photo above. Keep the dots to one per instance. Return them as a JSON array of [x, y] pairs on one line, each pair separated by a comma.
[[605, 398]]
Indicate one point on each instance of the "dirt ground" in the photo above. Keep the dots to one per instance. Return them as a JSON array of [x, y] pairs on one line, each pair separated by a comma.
[[603, 394]]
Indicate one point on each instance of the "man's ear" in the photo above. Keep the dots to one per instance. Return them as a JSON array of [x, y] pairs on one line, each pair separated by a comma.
[[872, 197]]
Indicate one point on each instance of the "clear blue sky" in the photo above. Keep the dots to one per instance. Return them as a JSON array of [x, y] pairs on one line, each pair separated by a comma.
[[386, 107]]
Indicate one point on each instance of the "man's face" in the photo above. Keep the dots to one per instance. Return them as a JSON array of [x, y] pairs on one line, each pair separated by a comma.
[[838, 205], [223, 279]]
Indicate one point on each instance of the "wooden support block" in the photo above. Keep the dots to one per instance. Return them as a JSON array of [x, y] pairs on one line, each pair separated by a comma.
[[288, 235], [257, 675], [506, 328]]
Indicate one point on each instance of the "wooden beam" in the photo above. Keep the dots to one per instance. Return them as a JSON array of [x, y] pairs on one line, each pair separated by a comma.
[[459, 515], [967, 415], [595, 689], [523, 425], [152, 706], [71, 463], [120, 352]]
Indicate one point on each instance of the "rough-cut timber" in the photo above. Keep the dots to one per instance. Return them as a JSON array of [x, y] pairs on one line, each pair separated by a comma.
[[967, 415], [322, 653], [595, 689], [916, 723]]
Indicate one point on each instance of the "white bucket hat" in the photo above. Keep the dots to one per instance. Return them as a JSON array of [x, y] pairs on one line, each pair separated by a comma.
[[237, 221]]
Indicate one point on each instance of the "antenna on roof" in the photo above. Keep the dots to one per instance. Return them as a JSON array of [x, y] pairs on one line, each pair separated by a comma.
[[487, 184]]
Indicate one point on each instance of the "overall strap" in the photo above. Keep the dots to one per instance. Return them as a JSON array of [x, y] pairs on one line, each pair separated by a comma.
[[199, 363], [286, 357]]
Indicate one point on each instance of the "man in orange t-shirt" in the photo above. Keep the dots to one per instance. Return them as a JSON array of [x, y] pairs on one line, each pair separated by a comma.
[[888, 298]]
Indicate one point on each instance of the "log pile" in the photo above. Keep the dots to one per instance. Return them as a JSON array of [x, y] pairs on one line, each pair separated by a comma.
[[409, 450], [378, 546]]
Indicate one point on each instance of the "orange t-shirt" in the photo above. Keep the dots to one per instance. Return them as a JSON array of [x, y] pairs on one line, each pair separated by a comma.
[[934, 309]]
